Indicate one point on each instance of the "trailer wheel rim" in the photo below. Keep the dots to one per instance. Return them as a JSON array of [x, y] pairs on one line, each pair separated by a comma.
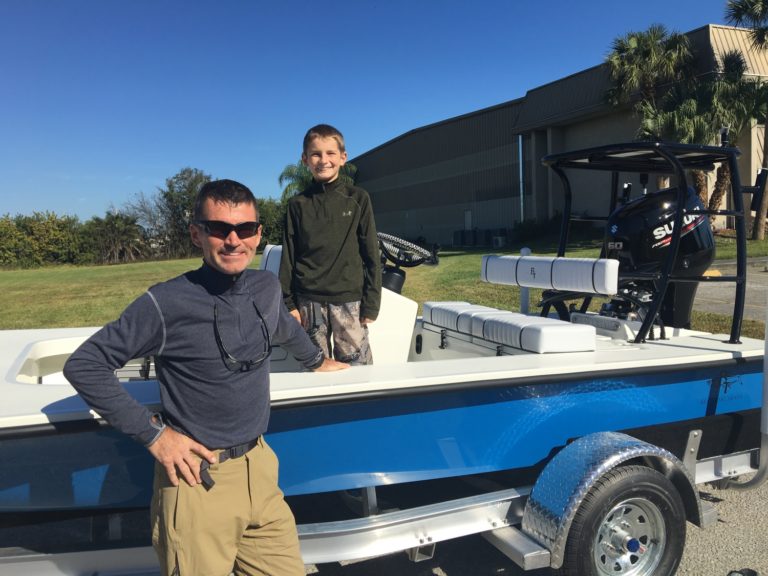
[[630, 539]]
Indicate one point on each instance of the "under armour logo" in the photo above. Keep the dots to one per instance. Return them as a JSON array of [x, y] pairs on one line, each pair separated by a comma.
[[347, 213]]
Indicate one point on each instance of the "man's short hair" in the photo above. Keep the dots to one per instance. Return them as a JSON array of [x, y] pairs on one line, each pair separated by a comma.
[[225, 191], [323, 131]]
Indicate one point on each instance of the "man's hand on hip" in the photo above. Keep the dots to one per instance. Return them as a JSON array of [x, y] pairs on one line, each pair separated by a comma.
[[180, 455]]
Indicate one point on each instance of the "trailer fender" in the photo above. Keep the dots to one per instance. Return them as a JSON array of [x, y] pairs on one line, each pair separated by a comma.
[[561, 487]]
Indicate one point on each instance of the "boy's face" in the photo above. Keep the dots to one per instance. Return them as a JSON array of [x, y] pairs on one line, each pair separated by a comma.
[[324, 159]]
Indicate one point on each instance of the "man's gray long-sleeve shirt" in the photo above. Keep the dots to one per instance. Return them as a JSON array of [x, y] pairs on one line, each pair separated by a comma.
[[174, 322]]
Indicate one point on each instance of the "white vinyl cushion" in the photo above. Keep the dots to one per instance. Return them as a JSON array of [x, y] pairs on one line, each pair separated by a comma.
[[446, 314], [541, 335], [531, 333], [270, 259], [465, 318], [478, 321], [591, 275]]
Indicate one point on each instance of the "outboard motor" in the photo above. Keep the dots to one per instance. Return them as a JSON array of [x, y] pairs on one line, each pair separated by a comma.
[[638, 235]]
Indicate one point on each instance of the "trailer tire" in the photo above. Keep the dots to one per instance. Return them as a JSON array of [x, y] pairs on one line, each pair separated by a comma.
[[630, 523]]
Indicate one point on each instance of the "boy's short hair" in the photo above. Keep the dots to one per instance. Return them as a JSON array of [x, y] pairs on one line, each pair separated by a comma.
[[225, 191], [323, 131]]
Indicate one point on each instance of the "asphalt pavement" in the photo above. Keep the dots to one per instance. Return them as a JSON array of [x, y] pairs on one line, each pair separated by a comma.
[[736, 542], [717, 297]]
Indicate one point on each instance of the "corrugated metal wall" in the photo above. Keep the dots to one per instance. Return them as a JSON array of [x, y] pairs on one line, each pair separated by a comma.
[[425, 182]]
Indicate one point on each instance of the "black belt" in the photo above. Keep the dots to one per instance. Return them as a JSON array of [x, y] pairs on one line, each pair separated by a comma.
[[224, 455]]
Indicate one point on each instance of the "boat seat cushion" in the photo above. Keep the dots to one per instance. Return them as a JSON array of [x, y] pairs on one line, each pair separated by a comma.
[[446, 314], [270, 259], [478, 321], [531, 333], [590, 275], [540, 334]]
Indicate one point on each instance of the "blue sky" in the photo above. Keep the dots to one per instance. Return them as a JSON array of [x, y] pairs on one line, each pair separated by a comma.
[[103, 99]]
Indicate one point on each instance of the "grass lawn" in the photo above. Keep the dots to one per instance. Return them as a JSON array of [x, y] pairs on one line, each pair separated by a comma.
[[93, 295]]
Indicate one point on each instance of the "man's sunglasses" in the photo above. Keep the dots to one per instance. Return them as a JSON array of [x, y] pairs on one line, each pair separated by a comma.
[[222, 230]]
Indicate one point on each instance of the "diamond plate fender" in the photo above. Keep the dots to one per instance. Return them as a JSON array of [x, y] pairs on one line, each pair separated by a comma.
[[570, 475]]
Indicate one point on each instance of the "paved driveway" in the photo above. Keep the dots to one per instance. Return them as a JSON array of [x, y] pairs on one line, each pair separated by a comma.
[[718, 297], [735, 542]]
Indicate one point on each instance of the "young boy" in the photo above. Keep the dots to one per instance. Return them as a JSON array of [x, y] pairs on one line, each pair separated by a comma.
[[330, 269]]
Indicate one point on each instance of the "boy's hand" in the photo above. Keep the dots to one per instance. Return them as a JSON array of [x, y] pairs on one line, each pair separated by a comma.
[[331, 365], [366, 321], [296, 315]]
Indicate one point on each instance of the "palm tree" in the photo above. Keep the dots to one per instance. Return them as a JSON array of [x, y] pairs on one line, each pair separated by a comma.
[[681, 120], [692, 110], [645, 68], [733, 100], [118, 238], [754, 15], [726, 98], [296, 177], [642, 64]]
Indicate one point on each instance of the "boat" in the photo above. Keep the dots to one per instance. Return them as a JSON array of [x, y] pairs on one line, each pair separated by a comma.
[[473, 419]]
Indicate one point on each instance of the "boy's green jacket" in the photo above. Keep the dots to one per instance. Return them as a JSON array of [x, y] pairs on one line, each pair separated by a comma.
[[330, 248]]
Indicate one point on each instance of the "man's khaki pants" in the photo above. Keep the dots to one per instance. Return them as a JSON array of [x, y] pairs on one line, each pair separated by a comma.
[[241, 525]]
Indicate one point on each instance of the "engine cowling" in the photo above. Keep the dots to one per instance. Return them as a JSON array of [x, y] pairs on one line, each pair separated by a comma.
[[639, 234]]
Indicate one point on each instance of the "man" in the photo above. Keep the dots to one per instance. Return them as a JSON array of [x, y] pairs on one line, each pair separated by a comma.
[[210, 331]]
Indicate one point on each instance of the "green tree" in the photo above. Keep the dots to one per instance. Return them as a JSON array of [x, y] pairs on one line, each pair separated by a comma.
[[12, 243], [754, 15], [116, 239], [733, 102], [145, 209], [697, 112], [175, 205], [272, 218], [681, 120], [642, 65], [296, 177], [49, 238]]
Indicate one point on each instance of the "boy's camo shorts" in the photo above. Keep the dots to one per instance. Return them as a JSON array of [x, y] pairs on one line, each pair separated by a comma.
[[337, 327]]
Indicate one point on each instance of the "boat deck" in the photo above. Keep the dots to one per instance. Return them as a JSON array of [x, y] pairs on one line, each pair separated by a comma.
[[32, 361]]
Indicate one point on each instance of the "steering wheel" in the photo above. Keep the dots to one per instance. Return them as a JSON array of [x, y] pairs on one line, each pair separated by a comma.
[[403, 253]]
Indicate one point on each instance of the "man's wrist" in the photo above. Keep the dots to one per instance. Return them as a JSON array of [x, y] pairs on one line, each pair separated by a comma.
[[157, 422], [318, 361]]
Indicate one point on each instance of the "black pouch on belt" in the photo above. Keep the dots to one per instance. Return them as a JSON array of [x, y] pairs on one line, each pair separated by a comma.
[[224, 455]]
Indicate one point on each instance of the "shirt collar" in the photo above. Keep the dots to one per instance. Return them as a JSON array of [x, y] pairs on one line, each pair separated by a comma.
[[217, 282]]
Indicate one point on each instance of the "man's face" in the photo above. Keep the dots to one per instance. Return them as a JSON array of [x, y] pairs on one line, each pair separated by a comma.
[[324, 159], [232, 254]]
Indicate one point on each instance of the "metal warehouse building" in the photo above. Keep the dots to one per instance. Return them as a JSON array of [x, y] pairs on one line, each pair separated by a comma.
[[470, 180]]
